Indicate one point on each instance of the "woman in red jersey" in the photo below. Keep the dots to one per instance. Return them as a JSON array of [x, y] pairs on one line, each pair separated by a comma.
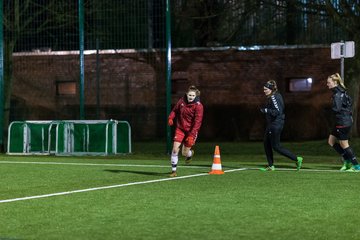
[[188, 112]]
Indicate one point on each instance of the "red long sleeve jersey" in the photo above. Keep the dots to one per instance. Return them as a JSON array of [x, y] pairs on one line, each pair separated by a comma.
[[189, 115]]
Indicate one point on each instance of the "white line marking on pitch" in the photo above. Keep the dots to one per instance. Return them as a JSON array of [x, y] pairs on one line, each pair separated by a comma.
[[154, 166], [301, 170], [108, 187], [100, 164]]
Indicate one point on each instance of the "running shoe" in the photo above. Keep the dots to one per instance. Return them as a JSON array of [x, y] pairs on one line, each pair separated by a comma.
[[173, 174], [299, 163], [268, 168], [346, 166], [355, 168]]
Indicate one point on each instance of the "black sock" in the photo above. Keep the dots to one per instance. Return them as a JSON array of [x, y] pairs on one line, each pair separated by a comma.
[[350, 155], [339, 149]]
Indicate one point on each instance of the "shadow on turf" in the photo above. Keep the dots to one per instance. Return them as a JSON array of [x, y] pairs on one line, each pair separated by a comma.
[[137, 172], [206, 166]]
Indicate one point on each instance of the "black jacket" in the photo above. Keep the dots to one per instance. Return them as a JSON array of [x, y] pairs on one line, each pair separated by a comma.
[[274, 113], [342, 109]]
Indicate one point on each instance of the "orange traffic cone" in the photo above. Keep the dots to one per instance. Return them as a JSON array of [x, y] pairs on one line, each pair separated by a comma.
[[216, 167]]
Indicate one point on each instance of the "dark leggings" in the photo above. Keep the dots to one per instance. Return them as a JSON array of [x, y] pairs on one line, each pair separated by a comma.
[[272, 142]]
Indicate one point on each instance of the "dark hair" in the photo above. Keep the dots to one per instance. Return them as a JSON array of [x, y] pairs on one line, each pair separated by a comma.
[[271, 84]]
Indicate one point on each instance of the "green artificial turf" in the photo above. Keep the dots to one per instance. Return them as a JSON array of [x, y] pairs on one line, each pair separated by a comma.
[[318, 202]]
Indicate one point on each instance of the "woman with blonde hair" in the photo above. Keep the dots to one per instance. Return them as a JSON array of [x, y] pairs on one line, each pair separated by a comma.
[[342, 111], [275, 119]]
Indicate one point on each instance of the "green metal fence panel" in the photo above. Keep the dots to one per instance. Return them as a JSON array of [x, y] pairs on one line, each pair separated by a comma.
[[95, 137], [29, 137], [123, 133], [70, 137], [60, 138], [16, 138], [52, 137], [38, 137]]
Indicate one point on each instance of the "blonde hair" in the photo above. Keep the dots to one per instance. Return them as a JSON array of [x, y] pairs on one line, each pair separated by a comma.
[[337, 78], [192, 88]]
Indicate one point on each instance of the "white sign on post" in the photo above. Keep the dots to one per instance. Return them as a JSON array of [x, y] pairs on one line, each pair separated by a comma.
[[343, 50]]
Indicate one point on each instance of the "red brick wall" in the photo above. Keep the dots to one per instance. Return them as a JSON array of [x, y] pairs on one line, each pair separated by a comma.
[[230, 82]]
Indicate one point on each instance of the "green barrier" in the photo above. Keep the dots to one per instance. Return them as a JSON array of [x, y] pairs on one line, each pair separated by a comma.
[[70, 137]]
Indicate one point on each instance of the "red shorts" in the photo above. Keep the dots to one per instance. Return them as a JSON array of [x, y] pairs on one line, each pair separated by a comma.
[[180, 135]]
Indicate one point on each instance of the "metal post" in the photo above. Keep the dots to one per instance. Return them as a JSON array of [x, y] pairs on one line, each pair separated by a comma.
[[342, 68], [97, 79], [81, 63], [1, 74], [342, 53], [168, 73], [150, 24]]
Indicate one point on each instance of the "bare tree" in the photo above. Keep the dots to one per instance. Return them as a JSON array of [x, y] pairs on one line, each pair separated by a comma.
[[23, 20]]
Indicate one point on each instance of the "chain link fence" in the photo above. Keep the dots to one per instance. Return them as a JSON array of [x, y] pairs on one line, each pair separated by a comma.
[[125, 43]]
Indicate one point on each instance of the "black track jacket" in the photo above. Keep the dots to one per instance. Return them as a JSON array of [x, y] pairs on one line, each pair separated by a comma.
[[275, 116], [342, 112]]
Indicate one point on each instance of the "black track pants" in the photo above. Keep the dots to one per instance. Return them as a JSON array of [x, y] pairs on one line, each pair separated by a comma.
[[272, 142]]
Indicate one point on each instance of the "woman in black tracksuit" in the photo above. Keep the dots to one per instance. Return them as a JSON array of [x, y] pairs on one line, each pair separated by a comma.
[[275, 117], [342, 110]]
